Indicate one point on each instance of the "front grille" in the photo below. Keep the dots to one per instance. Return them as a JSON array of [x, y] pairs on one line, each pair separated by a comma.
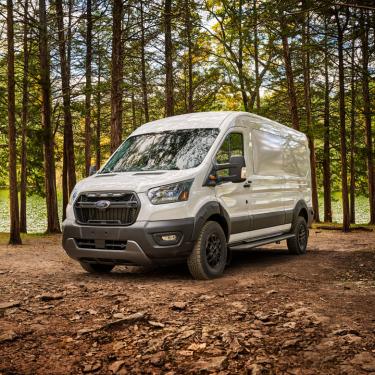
[[84, 243], [115, 208]]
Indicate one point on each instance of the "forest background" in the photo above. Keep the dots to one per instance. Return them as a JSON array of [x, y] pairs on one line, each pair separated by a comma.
[[77, 77]]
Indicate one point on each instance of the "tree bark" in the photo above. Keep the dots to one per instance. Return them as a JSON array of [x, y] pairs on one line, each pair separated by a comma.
[[307, 97], [289, 74], [367, 113], [190, 105], [98, 112], [326, 136], [24, 120], [116, 75], [245, 99], [14, 237], [69, 172], [256, 55], [134, 116], [143, 66], [352, 132], [88, 88], [169, 99], [53, 225], [344, 173]]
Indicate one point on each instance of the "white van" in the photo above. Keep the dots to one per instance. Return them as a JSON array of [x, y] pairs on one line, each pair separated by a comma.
[[193, 188]]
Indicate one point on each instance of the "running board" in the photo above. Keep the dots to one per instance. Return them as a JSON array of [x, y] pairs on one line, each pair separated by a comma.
[[249, 245]]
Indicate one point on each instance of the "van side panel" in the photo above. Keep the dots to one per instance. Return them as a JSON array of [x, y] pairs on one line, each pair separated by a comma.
[[297, 174], [267, 209]]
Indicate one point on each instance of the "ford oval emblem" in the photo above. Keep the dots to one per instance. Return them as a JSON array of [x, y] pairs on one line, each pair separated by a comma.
[[102, 205]]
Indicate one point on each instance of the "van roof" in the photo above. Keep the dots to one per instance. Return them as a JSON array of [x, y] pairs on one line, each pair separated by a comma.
[[221, 120]]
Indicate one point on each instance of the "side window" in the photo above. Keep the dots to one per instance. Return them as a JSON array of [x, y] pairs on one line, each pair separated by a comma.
[[232, 146]]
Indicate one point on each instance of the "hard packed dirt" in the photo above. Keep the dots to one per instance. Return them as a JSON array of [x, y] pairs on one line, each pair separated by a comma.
[[271, 313]]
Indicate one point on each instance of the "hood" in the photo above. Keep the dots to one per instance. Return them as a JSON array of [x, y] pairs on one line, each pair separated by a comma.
[[134, 181]]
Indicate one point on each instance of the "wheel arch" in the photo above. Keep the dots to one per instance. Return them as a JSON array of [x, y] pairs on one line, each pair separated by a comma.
[[301, 209], [211, 211]]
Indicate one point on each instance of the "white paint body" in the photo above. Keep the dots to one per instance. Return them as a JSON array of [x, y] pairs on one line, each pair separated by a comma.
[[277, 164]]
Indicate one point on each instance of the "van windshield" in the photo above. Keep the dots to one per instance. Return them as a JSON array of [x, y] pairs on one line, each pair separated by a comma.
[[168, 150]]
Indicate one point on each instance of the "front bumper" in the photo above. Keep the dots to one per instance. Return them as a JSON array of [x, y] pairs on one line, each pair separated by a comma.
[[135, 243]]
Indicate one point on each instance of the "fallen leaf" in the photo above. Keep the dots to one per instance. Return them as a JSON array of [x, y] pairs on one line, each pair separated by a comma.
[[8, 305], [156, 324], [8, 336], [116, 366], [178, 305]]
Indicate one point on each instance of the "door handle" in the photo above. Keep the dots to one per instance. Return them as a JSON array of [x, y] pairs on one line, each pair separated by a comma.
[[247, 184]]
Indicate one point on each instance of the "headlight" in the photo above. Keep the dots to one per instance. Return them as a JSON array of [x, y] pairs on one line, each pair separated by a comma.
[[177, 192], [73, 196]]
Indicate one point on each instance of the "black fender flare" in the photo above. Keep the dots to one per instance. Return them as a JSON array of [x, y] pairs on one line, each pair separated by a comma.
[[300, 205], [206, 211]]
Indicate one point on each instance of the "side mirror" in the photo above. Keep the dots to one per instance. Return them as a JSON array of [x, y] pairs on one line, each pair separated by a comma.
[[236, 171], [92, 170], [236, 163]]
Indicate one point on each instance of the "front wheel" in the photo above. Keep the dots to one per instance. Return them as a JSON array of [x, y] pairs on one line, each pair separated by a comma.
[[97, 267], [209, 255], [298, 243]]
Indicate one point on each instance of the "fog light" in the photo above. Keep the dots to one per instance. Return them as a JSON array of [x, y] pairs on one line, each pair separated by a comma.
[[169, 237], [165, 239]]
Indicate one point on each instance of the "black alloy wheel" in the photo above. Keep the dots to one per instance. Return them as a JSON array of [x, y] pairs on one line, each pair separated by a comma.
[[209, 255]]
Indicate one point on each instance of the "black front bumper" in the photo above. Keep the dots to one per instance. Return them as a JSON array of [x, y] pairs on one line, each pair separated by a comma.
[[136, 243]]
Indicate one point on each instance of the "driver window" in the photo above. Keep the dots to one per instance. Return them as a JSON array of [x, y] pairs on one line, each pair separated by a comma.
[[232, 146]]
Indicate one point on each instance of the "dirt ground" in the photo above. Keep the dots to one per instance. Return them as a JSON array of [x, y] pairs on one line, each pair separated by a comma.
[[271, 313]]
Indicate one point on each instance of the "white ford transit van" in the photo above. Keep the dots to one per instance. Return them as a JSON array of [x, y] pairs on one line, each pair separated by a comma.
[[193, 188]]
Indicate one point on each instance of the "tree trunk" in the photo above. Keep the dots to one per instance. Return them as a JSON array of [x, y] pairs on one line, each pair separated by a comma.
[[134, 116], [245, 99], [367, 113], [143, 67], [116, 75], [190, 106], [326, 147], [307, 97], [88, 88], [256, 55], [53, 225], [169, 100], [98, 112], [289, 74], [15, 237], [352, 133], [344, 173], [68, 173], [25, 105]]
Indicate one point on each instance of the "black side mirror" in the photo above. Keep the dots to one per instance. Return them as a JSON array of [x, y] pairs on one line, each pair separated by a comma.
[[92, 170], [236, 163]]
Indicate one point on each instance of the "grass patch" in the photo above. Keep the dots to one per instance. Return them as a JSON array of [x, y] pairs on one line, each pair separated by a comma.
[[4, 237], [336, 226]]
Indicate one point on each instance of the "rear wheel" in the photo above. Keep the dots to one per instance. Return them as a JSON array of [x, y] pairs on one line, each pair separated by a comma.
[[298, 243], [209, 255], [97, 267]]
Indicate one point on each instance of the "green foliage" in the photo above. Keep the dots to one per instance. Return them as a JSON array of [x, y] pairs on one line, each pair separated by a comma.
[[223, 50]]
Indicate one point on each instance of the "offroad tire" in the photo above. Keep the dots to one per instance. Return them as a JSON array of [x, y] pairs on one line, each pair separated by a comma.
[[298, 243], [209, 255], [97, 267]]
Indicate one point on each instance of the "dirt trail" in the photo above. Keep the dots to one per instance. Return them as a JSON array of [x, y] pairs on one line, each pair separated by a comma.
[[271, 313]]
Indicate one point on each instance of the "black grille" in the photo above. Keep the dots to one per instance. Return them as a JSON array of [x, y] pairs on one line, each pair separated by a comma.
[[117, 208]]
